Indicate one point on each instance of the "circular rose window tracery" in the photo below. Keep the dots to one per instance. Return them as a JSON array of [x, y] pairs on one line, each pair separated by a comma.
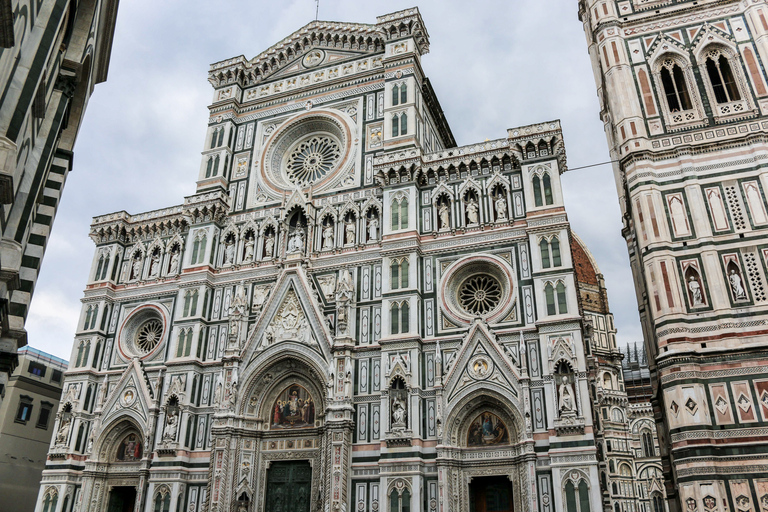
[[149, 335], [312, 160], [142, 332], [480, 286], [312, 149], [480, 294]]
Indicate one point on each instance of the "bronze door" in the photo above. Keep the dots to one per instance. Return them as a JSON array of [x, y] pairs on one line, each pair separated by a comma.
[[122, 499], [288, 486], [491, 494]]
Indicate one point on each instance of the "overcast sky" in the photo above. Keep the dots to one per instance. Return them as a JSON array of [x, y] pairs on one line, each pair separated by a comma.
[[493, 64]]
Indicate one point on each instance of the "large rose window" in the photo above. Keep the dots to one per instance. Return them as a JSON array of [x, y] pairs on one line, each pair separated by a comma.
[[479, 294], [149, 335], [312, 160], [313, 149], [142, 332], [477, 287]]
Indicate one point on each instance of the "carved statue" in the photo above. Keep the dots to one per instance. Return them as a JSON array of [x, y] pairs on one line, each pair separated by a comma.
[[695, 289], [249, 243], [736, 285], [269, 246], [171, 426], [63, 433], [328, 237], [349, 230], [154, 265], [296, 241], [501, 207], [174, 266], [229, 253], [445, 216], [566, 396], [472, 212], [290, 323], [399, 412], [373, 229], [136, 269]]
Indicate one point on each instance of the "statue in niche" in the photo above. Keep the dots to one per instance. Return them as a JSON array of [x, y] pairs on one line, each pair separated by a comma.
[[373, 229], [444, 215], [232, 402], [472, 212], [154, 264], [229, 252], [399, 413], [64, 427], [328, 236], [173, 267], [249, 249], [296, 240], [349, 231], [695, 291], [171, 426], [136, 267], [566, 403], [737, 285], [500, 205], [269, 245]]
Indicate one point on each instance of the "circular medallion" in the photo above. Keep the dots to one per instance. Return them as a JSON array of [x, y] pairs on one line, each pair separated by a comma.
[[480, 367], [313, 58], [129, 396]]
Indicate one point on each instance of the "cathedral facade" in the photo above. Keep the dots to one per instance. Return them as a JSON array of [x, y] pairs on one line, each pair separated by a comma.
[[351, 313], [684, 100]]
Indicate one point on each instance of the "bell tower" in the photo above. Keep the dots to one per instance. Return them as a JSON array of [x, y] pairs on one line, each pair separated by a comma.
[[683, 97]]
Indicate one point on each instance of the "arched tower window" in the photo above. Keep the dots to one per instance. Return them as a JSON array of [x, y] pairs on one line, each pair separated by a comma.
[[403, 122], [544, 248], [721, 77], [395, 94], [395, 125], [675, 88], [209, 167], [162, 500], [399, 213], [400, 317], [537, 199], [647, 440]]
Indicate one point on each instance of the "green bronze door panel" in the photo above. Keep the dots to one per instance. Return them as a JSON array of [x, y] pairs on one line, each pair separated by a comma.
[[288, 487]]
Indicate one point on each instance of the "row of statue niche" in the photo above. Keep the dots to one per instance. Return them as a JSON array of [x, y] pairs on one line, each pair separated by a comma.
[[695, 285], [350, 230], [133, 271], [472, 209], [566, 396]]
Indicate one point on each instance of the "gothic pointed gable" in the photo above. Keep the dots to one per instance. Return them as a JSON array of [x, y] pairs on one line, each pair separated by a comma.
[[295, 51], [481, 361], [290, 315], [132, 395]]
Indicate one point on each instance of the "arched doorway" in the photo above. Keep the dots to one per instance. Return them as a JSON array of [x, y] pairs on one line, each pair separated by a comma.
[[122, 499], [490, 494]]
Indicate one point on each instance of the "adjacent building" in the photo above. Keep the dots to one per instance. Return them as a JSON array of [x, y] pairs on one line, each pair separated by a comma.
[[27, 417], [352, 312], [684, 98], [51, 56]]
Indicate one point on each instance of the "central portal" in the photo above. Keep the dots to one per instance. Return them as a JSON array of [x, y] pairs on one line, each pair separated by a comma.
[[490, 494], [122, 499], [288, 486]]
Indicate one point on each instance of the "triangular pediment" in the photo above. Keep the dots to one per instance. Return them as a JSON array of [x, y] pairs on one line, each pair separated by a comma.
[[481, 361], [336, 40], [290, 314], [325, 58], [132, 394]]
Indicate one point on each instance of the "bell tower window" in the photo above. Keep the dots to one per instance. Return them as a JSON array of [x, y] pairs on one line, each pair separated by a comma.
[[675, 89], [721, 78]]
